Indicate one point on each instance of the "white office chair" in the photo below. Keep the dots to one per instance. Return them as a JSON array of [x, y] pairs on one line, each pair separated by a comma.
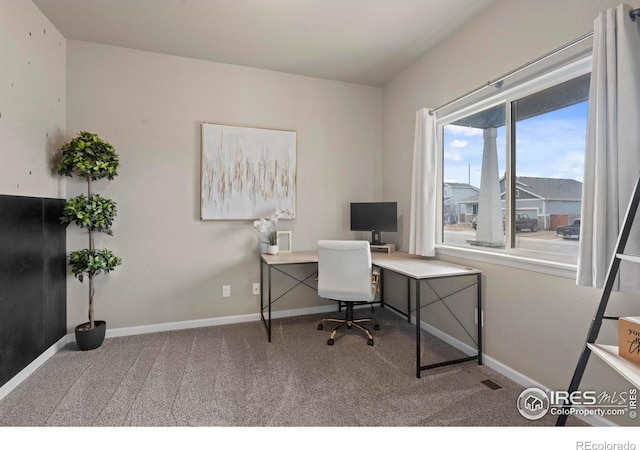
[[345, 275]]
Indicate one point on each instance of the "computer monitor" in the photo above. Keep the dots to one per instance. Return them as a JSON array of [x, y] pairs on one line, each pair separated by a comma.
[[375, 217]]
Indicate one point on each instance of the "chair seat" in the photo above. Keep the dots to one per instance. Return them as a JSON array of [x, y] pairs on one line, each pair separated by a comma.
[[353, 296]]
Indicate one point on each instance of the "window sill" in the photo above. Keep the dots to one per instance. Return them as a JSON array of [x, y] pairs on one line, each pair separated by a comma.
[[558, 269]]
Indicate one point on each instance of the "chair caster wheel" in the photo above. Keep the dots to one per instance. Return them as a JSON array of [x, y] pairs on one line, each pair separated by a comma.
[[376, 327], [330, 342], [370, 342], [320, 327]]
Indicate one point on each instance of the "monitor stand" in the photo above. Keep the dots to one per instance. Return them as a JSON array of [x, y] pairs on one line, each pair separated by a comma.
[[376, 238]]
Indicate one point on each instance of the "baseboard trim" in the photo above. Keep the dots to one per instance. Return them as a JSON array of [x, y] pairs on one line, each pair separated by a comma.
[[527, 382], [14, 382], [494, 364], [501, 368], [462, 346], [188, 324]]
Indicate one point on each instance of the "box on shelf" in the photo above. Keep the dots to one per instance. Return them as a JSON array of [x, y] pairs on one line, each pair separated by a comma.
[[629, 338]]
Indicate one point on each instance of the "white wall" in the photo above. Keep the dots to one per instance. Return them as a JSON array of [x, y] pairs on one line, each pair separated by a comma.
[[32, 101], [534, 324], [150, 108]]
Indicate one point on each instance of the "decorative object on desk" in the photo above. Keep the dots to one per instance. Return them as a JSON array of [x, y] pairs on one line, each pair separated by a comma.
[[266, 229], [386, 248], [283, 239], [246, 171], [92, 158]]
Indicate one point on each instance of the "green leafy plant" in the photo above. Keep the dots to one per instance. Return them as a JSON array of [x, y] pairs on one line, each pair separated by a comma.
[[95, 213], [89, 156]]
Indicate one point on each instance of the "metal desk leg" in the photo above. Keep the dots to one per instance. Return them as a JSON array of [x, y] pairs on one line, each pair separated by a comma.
[[479, 300], [269, 302], [381, 286], [409, 299], [266, 322], [417, 328]]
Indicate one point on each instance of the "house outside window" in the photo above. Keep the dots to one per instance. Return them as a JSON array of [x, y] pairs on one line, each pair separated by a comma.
[[520, 153]]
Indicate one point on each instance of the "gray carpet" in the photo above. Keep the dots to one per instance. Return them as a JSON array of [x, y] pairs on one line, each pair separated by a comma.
[[231, 376]]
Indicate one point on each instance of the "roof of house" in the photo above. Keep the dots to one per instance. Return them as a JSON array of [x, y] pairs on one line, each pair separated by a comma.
[[461, 185], [551, 188], [544, 188]]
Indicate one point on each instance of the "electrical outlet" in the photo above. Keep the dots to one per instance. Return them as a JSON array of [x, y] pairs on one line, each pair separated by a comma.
[[256, 288], [226, 290]]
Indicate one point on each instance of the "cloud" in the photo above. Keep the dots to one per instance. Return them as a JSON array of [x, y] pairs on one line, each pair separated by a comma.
[[552, 147], [549, 145], [458, 143], [453, 156]]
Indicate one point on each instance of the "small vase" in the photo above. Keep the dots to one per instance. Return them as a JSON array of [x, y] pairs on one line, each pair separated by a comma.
[[272, 250]]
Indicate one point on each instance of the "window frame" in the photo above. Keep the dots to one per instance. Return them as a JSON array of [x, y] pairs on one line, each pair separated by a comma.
[[531, 82]]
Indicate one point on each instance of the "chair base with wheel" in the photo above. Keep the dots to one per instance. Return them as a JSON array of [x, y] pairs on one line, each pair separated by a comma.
[[350, 322]]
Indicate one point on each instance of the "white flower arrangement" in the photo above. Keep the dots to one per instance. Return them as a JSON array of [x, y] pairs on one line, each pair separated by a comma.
[[266, 228]]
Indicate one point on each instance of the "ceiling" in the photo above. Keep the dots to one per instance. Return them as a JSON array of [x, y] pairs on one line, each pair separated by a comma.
[[360, 41]]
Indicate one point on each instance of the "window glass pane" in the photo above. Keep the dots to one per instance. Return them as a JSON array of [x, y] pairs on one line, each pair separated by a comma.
[[550, 134], [473, 164]]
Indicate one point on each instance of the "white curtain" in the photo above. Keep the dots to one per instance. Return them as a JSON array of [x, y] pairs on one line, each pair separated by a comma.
[[424, 186], [612, 159]]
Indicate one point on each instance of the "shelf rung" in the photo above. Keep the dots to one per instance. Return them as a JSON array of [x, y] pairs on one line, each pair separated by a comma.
[[609, 354], [632, 258]]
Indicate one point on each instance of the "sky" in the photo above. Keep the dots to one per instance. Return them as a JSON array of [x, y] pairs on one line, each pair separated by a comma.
[[549, 145]]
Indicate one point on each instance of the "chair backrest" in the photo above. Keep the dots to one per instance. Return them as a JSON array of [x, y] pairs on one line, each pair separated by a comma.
[[344, 270]]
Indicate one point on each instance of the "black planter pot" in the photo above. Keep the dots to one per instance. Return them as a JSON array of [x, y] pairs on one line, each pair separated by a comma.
[[90, 339]]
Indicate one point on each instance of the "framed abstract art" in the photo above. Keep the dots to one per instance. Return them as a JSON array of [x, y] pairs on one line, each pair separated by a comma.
[[246, 172]]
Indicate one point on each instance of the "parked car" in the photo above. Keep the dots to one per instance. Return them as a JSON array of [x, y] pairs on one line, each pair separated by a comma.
[[523, 222], [569, 231]]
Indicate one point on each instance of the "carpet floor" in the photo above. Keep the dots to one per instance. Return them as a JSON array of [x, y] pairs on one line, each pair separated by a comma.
[[230, 376]]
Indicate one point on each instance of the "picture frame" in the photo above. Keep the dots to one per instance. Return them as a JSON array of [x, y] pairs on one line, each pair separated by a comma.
[[246, 173], [284, 242]]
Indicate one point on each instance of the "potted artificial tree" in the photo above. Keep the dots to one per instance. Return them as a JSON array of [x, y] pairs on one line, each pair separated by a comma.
[[90, 157]]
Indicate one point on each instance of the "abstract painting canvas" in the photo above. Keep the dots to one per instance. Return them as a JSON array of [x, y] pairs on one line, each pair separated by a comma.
[[246, 172]]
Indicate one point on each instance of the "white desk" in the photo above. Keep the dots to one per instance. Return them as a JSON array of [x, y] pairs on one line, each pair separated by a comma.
[[412, 267]]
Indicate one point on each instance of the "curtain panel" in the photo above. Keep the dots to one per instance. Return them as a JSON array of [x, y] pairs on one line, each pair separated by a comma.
[[612, 154], [424, 185]]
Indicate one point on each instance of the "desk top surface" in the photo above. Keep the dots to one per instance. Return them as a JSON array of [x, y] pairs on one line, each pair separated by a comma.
[[400, 262]]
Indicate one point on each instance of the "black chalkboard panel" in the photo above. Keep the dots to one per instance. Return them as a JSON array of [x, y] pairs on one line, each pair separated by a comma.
[[32, 280]]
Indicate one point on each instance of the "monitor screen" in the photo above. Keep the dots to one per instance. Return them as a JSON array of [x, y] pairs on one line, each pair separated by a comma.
[[374, 216]]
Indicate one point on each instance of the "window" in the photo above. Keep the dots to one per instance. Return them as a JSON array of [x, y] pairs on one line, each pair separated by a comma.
[[512, 164]]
